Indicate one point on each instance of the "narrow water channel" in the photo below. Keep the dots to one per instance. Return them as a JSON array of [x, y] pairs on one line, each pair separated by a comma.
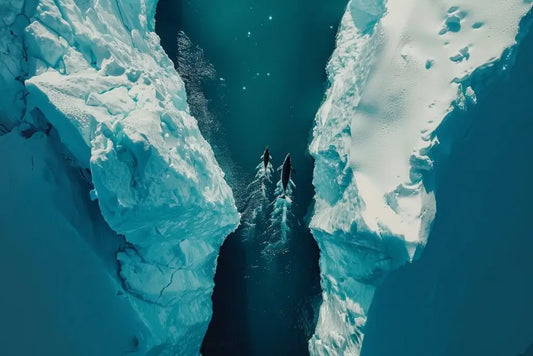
[[255, 75]]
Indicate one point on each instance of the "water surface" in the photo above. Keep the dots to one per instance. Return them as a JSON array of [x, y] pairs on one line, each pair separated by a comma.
[[258, 79]]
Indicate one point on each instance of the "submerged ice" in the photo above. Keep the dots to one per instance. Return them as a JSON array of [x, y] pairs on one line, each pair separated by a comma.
[[394, 77], [95, 72]]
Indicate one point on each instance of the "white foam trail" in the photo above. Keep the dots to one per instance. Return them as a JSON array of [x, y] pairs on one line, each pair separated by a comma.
[[280, 218], [257, 202]]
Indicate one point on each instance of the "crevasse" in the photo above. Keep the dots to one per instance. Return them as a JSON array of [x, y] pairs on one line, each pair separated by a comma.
[[398, 70], [95, 71]]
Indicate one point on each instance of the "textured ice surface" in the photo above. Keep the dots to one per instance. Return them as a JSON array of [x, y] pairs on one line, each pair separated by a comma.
[[12, 24], [398, 70], [96, 72]]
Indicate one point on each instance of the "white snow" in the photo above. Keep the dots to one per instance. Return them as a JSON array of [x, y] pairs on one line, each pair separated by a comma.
[[398, 70], [95, 70]]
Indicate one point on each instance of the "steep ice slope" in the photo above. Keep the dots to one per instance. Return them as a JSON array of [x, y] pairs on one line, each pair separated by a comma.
[[96, 72], [399, 68]]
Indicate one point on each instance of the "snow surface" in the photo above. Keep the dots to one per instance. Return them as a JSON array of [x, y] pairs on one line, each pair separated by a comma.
[[478, 255], [398, 70], [95, 71]]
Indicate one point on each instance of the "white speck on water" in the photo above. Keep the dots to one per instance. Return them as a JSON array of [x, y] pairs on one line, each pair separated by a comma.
[[270, 17], [249, 33], [268, 74], [244, 88]]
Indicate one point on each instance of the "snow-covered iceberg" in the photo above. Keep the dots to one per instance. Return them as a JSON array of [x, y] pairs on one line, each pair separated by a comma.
[[94, 70], [398, 70]]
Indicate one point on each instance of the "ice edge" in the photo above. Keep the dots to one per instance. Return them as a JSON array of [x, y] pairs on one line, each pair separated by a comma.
[[96, 71], [356, 255]]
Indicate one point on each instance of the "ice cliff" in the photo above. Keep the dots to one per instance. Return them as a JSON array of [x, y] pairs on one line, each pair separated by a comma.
[[398, 70], [93, 71]]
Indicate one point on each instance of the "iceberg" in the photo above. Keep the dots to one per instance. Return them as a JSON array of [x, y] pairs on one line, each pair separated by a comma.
[[399, 69], [95, 72]]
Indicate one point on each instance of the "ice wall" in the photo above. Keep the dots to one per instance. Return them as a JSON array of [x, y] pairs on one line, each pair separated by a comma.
[[95, 71], [398, 70]]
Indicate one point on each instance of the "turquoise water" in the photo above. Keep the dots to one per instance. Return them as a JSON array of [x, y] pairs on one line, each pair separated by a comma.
[[255, 75]]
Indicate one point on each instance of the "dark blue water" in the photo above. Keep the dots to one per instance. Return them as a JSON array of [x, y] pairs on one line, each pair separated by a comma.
[[471, 292], [254, 71]]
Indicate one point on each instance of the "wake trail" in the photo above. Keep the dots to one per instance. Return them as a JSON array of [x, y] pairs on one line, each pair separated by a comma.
[[257, 202], [281, 219]]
